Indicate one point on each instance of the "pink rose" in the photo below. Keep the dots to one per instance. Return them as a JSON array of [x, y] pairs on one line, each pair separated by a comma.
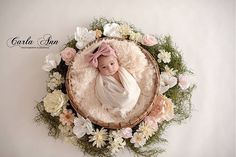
[[149, 40], [68, 55], [126, 132], [183, 82]]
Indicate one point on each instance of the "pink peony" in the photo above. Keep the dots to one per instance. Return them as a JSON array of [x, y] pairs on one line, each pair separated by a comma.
[[68, 55], [163, 109], [149, 40]]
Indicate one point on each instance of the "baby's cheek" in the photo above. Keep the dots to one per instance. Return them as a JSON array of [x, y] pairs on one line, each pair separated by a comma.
[[103, 72], [117, 67]]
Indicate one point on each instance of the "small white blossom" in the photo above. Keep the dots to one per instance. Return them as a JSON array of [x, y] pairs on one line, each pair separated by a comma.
[[136, 37], [125, 29], [171, 71], [55, 80], [164, 56], [116, 142], [83, 36]]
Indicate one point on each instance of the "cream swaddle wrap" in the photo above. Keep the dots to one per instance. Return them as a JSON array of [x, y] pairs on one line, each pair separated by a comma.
[[115, 96]]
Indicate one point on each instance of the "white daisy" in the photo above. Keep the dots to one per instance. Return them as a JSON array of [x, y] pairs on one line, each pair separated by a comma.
[[146, 130], [99, 137], [138, 139]]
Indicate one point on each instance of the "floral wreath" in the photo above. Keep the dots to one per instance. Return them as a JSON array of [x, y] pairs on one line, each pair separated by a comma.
[[174, 99]]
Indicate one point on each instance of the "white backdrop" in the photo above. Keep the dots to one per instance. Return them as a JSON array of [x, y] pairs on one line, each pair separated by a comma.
[[203, 30]]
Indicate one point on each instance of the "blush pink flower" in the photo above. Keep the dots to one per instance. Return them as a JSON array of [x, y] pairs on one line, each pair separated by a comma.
[[68, 55], [126, 132], [149, 40], [183, 82], [67, 117]]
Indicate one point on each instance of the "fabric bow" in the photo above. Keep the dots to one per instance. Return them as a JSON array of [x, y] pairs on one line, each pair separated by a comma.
[[104, 50]]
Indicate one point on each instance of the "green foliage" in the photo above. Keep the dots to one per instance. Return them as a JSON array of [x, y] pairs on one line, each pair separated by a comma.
[[72, 44], [145, 151], [99, 23], [87, 147], [46, 118]]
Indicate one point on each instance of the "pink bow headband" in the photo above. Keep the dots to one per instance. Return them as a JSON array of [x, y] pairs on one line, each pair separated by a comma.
[[103, 50]]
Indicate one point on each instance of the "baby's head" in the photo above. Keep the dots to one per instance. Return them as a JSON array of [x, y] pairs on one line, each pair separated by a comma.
[[105, 59]]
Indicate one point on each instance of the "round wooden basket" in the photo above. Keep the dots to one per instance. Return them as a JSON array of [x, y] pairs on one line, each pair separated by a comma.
[[134, 120]]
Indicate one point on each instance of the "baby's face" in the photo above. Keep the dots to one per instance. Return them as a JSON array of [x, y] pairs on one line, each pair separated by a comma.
[[108, 65]]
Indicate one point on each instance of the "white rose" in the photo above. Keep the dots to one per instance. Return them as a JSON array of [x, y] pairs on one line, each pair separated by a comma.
[[54, 101], [83, 36], [51, 62], [112, 30], [82, 126]]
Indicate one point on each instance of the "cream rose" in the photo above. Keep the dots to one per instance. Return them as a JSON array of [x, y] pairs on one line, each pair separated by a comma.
[[54, 101], [149, 40], [68, 55], [163, 109]]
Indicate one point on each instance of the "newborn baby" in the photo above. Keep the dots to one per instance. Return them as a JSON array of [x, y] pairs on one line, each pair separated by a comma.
[[115, 88]]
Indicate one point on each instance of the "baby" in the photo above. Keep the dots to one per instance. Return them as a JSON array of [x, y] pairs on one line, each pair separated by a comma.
[[115, 88]]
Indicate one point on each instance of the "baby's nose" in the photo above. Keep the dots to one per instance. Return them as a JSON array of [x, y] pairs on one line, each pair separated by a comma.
[[109, 67]]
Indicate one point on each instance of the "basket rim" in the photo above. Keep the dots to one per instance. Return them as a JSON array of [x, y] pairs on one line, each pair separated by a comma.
[[112, 125]]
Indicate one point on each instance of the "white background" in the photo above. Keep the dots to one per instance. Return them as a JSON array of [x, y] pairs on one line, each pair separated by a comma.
[[203, 30]]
